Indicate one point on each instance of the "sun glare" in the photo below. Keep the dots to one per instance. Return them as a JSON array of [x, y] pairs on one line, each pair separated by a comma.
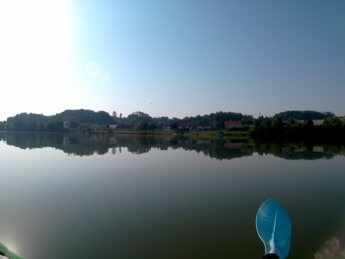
[[35, 51]]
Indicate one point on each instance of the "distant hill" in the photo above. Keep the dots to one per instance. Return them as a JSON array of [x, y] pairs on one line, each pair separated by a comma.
[[84, 117], [304, 115], [33, 122]]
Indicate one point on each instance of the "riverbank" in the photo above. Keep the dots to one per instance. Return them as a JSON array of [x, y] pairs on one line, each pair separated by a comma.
[[211, 134]]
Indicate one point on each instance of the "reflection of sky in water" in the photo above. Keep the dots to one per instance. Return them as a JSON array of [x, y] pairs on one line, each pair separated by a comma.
[[174, 203]]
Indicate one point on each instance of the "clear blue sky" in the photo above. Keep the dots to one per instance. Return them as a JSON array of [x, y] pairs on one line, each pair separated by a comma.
[[174, 58]]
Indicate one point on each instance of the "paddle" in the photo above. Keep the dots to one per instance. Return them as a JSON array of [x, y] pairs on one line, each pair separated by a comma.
[[274, 229], [5, 252]]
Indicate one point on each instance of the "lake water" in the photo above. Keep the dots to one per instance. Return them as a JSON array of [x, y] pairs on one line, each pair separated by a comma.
[[77, 196]]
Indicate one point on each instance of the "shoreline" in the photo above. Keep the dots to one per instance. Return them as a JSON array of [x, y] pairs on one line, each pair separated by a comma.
[[212, 134]]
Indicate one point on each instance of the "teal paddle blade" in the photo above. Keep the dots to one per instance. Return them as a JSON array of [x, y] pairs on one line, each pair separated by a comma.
[[4, 251], [273, 226]]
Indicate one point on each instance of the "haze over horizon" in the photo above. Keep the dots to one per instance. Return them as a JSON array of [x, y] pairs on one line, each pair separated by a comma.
[[172, 58]]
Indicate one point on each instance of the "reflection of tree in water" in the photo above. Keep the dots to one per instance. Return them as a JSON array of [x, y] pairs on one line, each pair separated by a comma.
[[219, 149], [295, 151], [80, 144], [71, 144]]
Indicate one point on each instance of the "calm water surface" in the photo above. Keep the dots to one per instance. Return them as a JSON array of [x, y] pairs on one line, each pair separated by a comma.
[[75, 196]]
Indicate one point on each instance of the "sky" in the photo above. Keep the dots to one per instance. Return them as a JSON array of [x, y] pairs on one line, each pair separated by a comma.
[[172, 58]]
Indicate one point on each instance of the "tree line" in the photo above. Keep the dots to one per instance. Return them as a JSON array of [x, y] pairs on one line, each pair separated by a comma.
[[304, 115], [214, 121], [331, 129], [83, 119]]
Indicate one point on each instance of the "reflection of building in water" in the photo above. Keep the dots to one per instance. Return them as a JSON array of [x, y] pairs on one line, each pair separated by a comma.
[[203, 142], [113, 150], [112, 140], [66, 124], [119, 149], [66, 140]]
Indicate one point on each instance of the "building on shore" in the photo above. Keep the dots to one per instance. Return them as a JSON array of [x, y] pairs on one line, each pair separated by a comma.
[[112, 126], [66, 125], [232, 124]]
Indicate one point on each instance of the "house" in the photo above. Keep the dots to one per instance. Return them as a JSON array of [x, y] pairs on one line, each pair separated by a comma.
[[66, 125], [184, 127], [112, 126], [232, 124]]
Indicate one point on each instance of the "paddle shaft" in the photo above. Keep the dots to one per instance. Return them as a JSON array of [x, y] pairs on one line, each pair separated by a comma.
[[271, 256]]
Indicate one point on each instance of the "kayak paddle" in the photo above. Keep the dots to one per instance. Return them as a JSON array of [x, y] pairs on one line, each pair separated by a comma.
[[273, 226]]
